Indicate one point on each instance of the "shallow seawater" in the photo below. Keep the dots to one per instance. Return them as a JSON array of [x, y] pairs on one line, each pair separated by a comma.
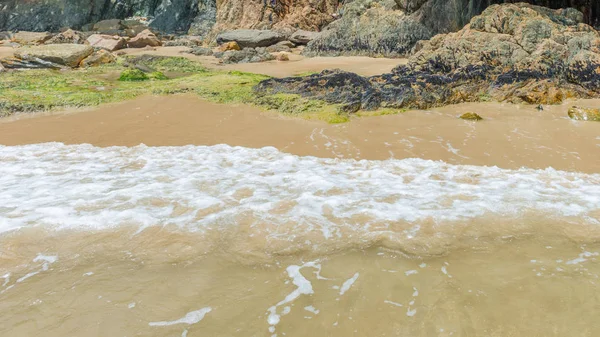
[[229, 241]]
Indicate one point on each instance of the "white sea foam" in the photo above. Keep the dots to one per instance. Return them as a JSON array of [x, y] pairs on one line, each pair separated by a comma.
[[348, 283], [81, 186], [47, 261], [393, 303], [303, 287], [192, 317], [312, 309], [583, 257]]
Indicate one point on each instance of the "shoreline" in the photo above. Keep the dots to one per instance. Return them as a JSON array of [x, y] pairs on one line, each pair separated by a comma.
[[511, 136]]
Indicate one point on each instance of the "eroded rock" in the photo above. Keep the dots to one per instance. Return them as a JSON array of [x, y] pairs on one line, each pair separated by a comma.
[[99, 57], [144, 39], [107, 42]]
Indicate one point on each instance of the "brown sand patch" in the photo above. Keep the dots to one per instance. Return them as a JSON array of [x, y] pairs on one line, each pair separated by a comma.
[[298, 64]]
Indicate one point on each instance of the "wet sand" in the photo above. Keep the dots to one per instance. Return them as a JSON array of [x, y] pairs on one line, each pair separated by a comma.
[[511, 136], [366, 66], [196, 241]]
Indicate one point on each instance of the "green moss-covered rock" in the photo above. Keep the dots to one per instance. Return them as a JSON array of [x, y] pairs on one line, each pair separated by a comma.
[[471, 116], [133, 75]]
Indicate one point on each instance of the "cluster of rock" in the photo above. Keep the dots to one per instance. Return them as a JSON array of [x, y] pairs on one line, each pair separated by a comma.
[[72, 48], [512, 52], [252, 45]]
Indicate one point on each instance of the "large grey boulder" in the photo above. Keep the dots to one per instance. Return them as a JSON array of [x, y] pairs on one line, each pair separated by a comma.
[[69, 55], [251, 38]]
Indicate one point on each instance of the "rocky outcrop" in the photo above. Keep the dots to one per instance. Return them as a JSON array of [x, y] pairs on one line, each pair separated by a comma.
[[69, 55], [392, 27], [208, 17], [372, 28], [512, 52], [251, 38]]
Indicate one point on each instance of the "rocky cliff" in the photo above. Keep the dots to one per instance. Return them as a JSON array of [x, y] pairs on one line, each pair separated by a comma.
[[172, 16], [201, 16]]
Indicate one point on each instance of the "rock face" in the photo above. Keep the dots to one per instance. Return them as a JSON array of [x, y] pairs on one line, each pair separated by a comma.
[[251, 38], [107, 42], [392, 27], [584, 114], [370, 27], [168, 15], [512, 52], [69, 55], [280, 15], [198, 17], [144, 39]]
